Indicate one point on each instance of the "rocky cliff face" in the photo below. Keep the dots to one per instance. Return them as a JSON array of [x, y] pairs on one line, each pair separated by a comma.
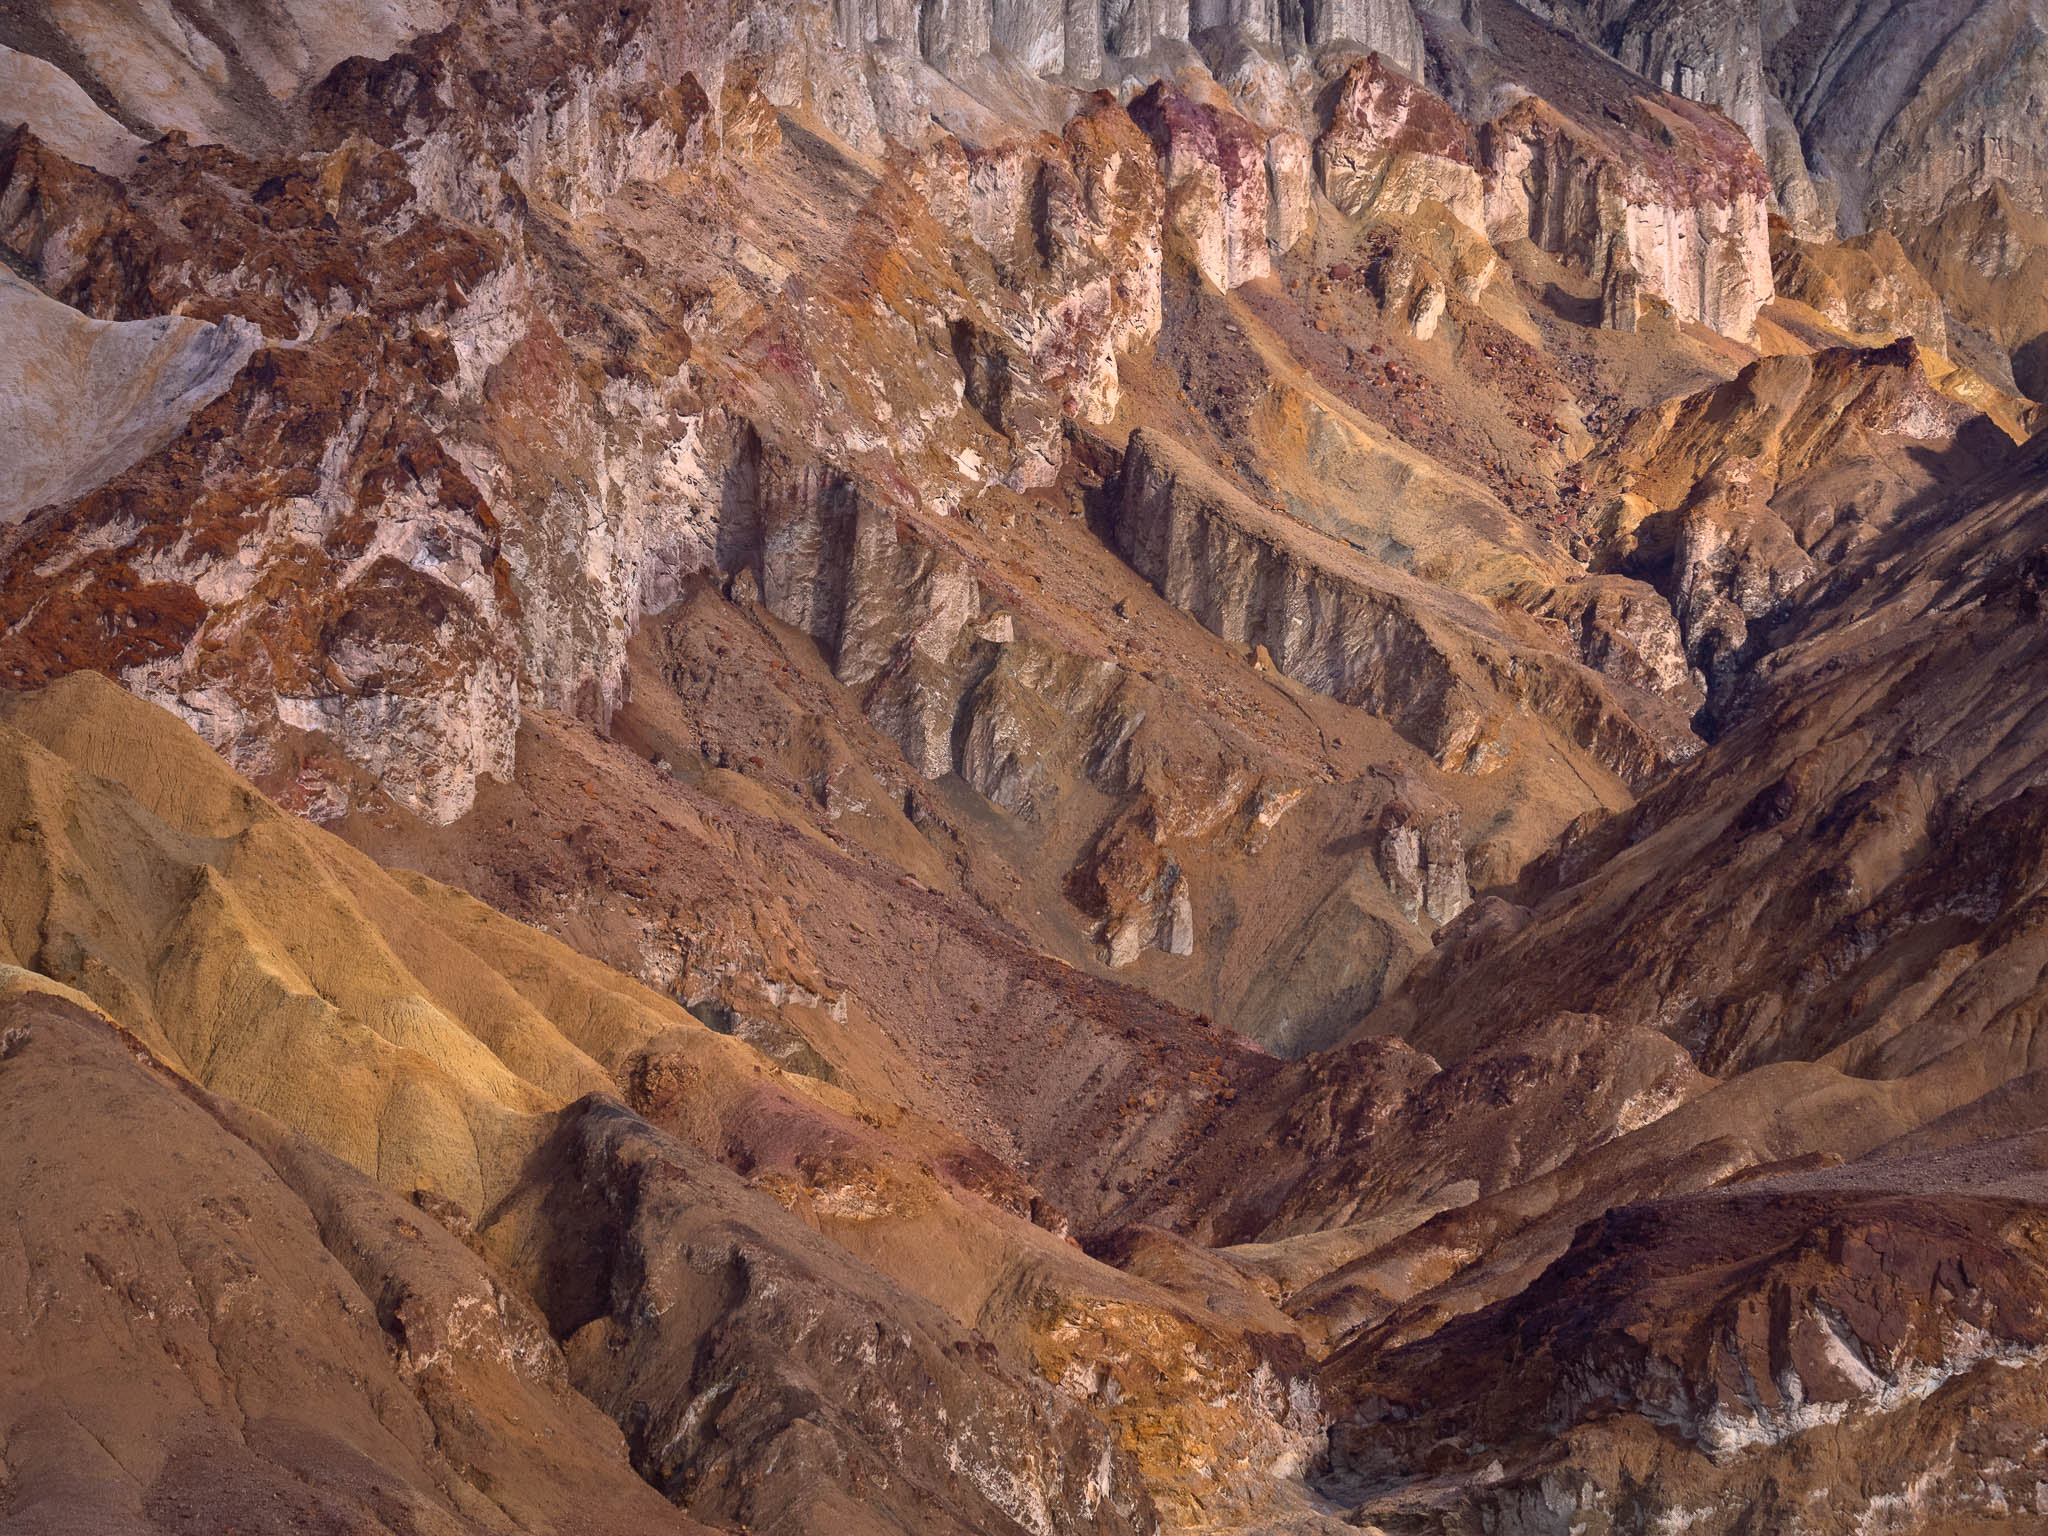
[[981, 767], [1822, 1314], [1444, 674], [1704, 251], [1879, 118], [1773, 476]]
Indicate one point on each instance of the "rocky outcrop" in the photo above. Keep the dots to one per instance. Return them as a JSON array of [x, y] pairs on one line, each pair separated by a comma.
[[1136, 890], [1072, 224], [577, 490], [1440, 670], [845, 466], [82, 400], [1872, 119], [1789, 899], [1691, 1358], [1089, 42], [975, 598], [1866, 286], [1626, 630], [1421, 856], [1987, 258], [999, 382], [1215, 168], [970, 692], [1678, 191], [383, 504], [827, 559], [1387, 27], [1621, 290], [1747, 482], [1031, 697], [1074, 1368], [398, 643], [735, 1345], [611, 490], [1394, 155], [1388, 146]]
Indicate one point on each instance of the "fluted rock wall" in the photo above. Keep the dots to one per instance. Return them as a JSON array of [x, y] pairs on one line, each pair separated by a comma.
[[1876, 116], [1386, 27], [1290, 190], [1086, 41], [1910, 107], [1709, 52], [1695, 229], [532, 502], [1532, 138], [1434, 665]]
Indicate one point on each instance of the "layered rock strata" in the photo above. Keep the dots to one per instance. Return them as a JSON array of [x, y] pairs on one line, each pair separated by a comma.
[[1444, 673]]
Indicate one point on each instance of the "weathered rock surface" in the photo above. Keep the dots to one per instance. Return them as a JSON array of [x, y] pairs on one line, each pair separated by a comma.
[[1692, 227], [728, 1340], [1874, 119], [1985, 256], [1747, 493], [1217, 184], [1866, 286], [238, 1327], [1390, 146], [86, 399], [217, 74], [54, 107], [870, 616], [1873, 838], [1704, 1359], [1708, 53], [1586, 159], [1361, 1144], [1421, 856], [432, 1054], [1907, 111], [1444, 673], [1625, 630]]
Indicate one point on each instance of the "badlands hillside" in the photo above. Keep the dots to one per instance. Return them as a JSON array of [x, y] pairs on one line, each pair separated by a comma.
[[970, 768]]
